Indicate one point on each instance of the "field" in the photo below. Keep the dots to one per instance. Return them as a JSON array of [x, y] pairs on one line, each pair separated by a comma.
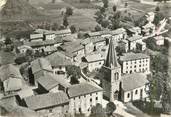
[[82, 18]]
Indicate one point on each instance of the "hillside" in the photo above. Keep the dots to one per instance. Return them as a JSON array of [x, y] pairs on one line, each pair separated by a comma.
[[17, 10]]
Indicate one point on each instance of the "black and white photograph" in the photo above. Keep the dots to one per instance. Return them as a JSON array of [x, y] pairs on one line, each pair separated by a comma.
[[85, 58]]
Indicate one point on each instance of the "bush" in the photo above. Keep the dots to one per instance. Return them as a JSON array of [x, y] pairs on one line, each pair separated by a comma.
[[73, 29], [20, 60]]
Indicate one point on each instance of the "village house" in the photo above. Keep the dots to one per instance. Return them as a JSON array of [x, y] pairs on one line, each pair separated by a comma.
[[48, 104], [10, 79], [46, 47], [75, 49], [47, 34], [83, 97], [132, 42], [47, 84], [124, 45], [148, 29], [117, 34], [59, 62], [22, 49], [159, 40], [50, 83], [135, 62], [94, 61], [134, 31], [39, 67], [63, 33], [36, 37], [134, 87]]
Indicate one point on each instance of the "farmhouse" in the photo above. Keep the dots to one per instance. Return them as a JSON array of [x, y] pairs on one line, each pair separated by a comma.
[[83, 97]]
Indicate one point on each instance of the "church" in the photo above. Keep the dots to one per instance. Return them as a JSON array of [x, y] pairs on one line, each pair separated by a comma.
[[119, 86]]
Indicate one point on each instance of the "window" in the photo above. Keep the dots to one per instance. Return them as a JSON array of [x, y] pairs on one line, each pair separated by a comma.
[[90, 100], [96, 98], [135, 66], [126, 71], [128, 95], [136, 92], [126, 63], [99, 63], [50, 110], [139, 65]]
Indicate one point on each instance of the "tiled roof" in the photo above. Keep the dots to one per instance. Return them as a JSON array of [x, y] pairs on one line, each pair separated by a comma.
[[47, 82], [111, 59], [73, 46], [36, 36], [134, 29], [134, 38], [8, 71], [133, 81], [112, 32], [82, 89], [61, 79], [58, 59], [40, 64], [12, 84], [43, 31], [43, 43], [39, 102], [94, 57], [59, 32], [133, 56]]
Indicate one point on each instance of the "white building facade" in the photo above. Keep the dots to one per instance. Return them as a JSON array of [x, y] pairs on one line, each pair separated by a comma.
[[134, 63]]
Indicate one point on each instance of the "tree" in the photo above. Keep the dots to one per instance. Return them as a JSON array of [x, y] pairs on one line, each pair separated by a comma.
[[151, 44], [114, 8], [141, 21], [158, 17], [105, 3], [69, 11], [73, 29], [74, 80], [29, 55], [102, 10], [55, 26], [74, 72], [98, 28], [166, 95], [53, 1], [99, 17], [110, 108], [21, 59], [157, 9], [105, 23], [97, 111], [8, 41], [120, 50], [65, 21]]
